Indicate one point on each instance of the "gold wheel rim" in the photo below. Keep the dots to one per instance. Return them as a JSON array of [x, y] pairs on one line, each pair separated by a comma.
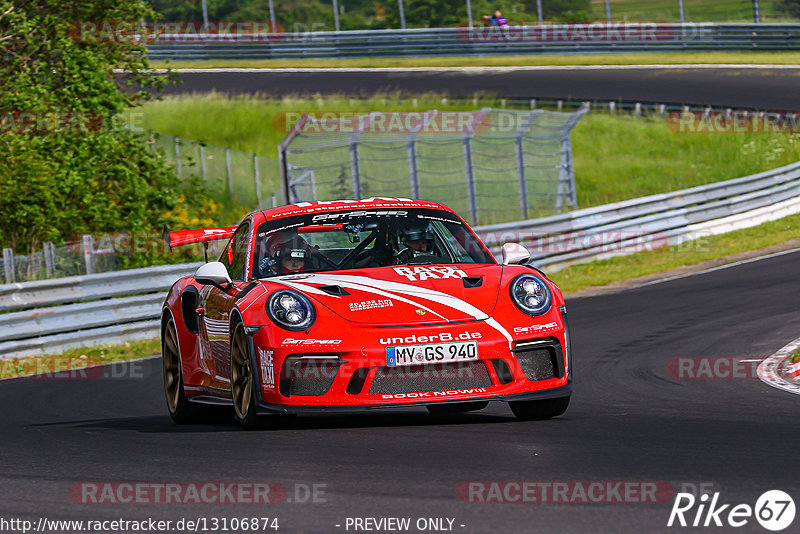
[[172, 367], [241, 389]]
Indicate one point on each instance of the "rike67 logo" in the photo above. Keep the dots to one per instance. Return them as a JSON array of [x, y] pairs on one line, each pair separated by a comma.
[[774, 510]]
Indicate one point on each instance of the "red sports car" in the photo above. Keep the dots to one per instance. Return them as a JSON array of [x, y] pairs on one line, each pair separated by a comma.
[[318, 307]]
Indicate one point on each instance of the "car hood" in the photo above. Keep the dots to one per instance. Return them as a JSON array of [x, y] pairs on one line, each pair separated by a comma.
[[414, 295]]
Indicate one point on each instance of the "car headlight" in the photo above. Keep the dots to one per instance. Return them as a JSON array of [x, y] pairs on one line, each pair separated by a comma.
[[290, 310], [530, 294]]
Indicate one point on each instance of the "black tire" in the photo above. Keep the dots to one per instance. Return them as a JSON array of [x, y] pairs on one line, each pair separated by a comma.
[[244, 389], [454, 408], [180, 409], [539, 409]]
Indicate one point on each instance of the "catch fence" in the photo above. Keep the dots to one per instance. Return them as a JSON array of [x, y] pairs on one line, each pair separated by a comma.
[[492, 165]]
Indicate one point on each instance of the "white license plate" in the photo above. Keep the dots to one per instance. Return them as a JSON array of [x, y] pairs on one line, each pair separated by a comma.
[[433, 353]]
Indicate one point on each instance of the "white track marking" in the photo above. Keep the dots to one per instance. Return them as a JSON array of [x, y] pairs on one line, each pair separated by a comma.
[[768, 369]]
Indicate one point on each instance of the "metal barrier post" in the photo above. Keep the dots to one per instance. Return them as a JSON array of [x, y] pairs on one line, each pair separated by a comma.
[[519, 149], [258, 181], [413, 175], [49, 258], [413, 170], [230, 174], [88, 248], [523, 187], [203, 164], [8, 265], [471, 195], [178, 156], [355, 164], [355, 170]]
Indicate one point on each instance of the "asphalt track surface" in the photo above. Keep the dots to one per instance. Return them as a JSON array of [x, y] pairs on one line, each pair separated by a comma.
[[766, 88], [630, 420]]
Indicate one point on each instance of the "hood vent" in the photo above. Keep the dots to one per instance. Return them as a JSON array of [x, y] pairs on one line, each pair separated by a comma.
[[336, 291]]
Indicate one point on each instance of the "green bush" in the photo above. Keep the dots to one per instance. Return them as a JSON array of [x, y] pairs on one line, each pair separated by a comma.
[[85, 173]]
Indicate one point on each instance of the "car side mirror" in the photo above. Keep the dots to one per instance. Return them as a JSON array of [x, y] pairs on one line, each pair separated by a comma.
[[514, 253], [215, 274]]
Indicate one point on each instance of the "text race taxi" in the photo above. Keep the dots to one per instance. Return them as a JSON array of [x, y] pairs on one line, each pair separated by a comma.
[[342, 305]]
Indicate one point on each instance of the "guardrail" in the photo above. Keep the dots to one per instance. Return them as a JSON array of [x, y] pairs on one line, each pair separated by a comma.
[[51, 315], [113, 307], [561, 39], [650, 222]]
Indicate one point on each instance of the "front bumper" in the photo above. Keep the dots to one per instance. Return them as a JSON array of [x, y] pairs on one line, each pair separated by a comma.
[[331, 372]]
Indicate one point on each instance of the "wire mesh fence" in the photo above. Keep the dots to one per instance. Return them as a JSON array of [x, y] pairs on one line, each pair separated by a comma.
[[492, 165], [250, 180], [68, 259]]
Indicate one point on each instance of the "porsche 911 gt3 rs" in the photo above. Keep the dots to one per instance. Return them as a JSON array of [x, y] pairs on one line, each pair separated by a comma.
[[385, 302]]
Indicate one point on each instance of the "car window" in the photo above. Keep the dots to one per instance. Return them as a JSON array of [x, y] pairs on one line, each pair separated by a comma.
[[234, 257], [363, 239]]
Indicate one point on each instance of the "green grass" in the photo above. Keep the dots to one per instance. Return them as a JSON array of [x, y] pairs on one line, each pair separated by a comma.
[[78, 358], [601, 273], [654, 58], [694, 10], [615, 157]]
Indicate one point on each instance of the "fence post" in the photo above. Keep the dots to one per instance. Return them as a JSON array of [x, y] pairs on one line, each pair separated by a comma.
[[8, 265], [523, 186], [566, 190], [88, 258], [413, 174], [355, 170], [203, 164], [519, 149], [49, 258], [471, 196], [178, 156], [230, 174], [258, 180]]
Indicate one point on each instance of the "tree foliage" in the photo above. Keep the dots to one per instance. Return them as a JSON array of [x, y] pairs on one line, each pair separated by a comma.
[[86, 176]]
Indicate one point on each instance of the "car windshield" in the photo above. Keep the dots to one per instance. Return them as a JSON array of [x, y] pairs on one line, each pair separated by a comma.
[[359, 239]]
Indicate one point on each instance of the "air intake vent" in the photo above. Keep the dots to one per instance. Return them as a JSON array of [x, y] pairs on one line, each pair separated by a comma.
[[438, 377], [308, 375], [540, 361], [472, 281]]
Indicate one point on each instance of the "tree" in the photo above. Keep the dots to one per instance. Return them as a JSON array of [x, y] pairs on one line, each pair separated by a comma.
[[65, 168]]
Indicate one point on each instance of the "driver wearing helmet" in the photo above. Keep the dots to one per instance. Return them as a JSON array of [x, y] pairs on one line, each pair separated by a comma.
[[285, 253], [418, 240], [293, 258]]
